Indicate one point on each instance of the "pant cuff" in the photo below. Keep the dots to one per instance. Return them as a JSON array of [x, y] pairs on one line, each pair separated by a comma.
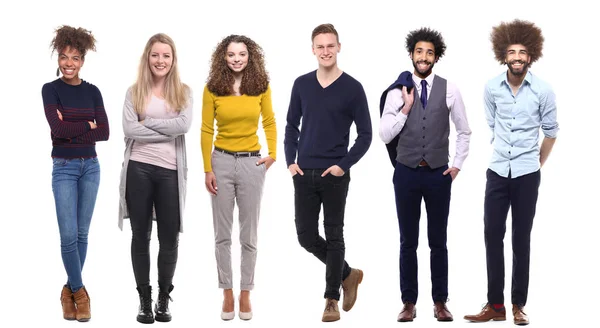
[[226, 286], [247, 287]]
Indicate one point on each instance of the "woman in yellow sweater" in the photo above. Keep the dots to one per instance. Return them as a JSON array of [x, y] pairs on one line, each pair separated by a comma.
[[236, 96]]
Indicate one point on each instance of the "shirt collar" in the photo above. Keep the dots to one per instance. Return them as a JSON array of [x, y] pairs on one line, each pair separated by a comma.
[[505, 78], [417, 80]]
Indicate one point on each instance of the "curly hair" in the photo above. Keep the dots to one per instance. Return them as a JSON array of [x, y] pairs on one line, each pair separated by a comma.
[[255, 79], [77, 38], [517, 32], [428, 35]]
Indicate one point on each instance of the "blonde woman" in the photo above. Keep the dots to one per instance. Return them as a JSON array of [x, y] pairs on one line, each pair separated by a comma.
[[156, 116], [236, 96]]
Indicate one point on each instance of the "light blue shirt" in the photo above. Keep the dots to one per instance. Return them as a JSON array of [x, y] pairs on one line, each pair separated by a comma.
[[515, 121]]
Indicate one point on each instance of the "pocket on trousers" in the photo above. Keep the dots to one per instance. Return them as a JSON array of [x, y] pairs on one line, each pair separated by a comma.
[[59, 161]]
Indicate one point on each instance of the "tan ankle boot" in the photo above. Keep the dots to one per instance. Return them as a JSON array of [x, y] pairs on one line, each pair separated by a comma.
[[82, 300], [68, 306], [332, 312]]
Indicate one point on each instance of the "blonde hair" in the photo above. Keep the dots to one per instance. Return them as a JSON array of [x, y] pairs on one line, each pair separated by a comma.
[[175, 92]]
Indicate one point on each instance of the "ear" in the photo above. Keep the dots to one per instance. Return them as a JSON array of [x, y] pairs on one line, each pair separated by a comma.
[[410, 55], [312, 47], [437, 58], [82, 61], [339, 47]]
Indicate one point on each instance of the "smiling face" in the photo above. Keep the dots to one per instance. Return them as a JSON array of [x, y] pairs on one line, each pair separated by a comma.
[[423, 58], [326, 47], [70, 62], [160, 59], [517, 59], [236, 57]]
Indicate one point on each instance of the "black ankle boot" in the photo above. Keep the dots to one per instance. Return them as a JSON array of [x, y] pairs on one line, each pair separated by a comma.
[[162, 304], [145, 314]]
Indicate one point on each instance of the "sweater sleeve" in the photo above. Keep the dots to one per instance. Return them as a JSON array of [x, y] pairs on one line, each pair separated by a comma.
[[59, 128], [268, 123], [133, 129], [207, 131], [292, 128], [362, 119], [173, 126], [102, 130]]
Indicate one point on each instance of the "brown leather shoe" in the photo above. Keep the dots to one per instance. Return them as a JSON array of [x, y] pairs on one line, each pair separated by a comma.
[[68, 305], [350, 287], [488, 313], [82, 300], [332, 312], [441, 312], [520, 318], [408, 313]]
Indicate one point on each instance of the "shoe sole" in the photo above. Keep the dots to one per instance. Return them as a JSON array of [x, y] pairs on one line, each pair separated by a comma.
[[360, 278], [147, 321], [492, 319], [162, 319], [406, 320], [330, 320]]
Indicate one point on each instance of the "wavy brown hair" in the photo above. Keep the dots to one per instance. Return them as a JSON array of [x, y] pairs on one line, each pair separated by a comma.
[[517, 32], [176, 93], [255, 79], [324, 29], [77, 38]]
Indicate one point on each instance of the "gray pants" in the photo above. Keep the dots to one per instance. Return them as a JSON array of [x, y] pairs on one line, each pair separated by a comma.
[[238, 179]]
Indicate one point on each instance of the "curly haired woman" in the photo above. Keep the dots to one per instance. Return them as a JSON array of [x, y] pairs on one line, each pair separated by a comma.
[[236, 95], [156, 116], [75, 112]]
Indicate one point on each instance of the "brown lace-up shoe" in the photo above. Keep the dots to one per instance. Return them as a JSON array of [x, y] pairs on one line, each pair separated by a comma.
[[332, 312], [408, 313], [488, 313], [441, 312], [520, 318]]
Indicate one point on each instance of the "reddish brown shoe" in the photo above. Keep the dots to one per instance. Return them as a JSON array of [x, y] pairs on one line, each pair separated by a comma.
[[441, 312], [82, 300], [408, 313], [68, 305], [488, 313], [520, 318]]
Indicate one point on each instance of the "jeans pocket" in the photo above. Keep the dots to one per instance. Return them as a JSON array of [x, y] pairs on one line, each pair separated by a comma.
[[95, 159], [59, 161]]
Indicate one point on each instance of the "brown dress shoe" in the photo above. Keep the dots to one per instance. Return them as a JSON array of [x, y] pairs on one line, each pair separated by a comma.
[[332, 312], [408, 313], [488, 313], [350, 287], [520, 318], [441, 312], [68, 305], [82, 300]]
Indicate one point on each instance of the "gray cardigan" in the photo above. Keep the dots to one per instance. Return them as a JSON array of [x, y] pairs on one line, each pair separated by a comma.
[[155, 130]]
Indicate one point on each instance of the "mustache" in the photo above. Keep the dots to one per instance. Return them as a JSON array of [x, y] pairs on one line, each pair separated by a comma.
[[423, 62], [517, 62]]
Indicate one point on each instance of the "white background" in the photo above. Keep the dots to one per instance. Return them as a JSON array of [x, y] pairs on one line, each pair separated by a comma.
[[289, 281]]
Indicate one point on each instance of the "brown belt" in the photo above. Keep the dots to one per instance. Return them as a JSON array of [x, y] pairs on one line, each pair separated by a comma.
[[423, 163]]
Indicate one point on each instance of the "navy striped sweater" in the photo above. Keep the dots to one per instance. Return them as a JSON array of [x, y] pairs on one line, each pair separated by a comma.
[[72, 137]]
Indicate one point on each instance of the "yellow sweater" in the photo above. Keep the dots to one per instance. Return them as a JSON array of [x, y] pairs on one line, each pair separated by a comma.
[[237, 123]]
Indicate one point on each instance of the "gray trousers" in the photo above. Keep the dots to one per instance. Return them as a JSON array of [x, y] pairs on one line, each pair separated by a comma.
[[238, 179]]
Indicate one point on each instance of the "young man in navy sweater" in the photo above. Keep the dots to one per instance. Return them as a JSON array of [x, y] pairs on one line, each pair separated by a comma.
[[328, 101]]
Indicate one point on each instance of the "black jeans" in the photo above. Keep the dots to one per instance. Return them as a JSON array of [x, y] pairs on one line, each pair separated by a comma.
[[411, 185], [147, 186], [520, 194], [310, 191]]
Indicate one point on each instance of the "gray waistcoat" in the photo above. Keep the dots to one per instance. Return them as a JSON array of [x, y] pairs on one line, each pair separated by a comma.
[[425, 133]]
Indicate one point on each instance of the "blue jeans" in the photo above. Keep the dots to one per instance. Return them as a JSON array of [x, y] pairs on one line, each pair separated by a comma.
[[75, 184]]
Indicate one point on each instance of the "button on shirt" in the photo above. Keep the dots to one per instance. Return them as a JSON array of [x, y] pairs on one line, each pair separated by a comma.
[[515, 121]]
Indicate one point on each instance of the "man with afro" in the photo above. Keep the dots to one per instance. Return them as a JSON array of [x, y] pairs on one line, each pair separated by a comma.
[[517, 105], [415, 122]]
